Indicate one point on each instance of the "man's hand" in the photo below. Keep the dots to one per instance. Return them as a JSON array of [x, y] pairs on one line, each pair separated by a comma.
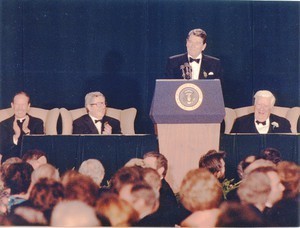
[[17, 129], [107, 129], [25, 125]]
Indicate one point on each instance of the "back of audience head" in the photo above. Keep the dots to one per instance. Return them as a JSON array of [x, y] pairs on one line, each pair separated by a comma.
[[214, 162], [243, 164], [118, 211], [5, 166], [261, 187], [74, 213], [18, 177], [44, 171], [46, 193], [200, 190], [35, 158], [289, 173], [69, 175], [94, 169], [259, 163], [156, 161], [271, 154], [82, 188], [125, 175], [32, 216], [234, 214], [141, 197], [152, 177]]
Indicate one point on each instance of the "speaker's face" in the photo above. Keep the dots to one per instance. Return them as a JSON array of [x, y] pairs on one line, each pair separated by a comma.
[[195, 46]]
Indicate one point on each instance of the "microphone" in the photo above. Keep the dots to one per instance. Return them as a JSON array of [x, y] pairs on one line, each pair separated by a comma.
[[186, 71]]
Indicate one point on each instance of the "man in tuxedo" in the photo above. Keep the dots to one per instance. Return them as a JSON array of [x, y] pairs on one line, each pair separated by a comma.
[[194, 64], [262, 121], [96, 122], [13, 128]]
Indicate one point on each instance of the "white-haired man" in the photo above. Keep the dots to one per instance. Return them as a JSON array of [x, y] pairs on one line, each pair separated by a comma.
[[262, 121], [96, 121]]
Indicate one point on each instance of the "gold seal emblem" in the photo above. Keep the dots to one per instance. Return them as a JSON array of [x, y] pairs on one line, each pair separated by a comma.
[[188, 97]]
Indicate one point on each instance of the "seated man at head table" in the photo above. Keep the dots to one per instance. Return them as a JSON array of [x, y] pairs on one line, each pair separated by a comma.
[[21, 123], [194, 64], [96, 121], [262, 121]]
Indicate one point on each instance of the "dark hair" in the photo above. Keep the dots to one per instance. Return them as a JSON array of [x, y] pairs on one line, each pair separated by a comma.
[[18, 177], [161, 161], [34, 154], [21, 93], [212, 161], [198, 32], [271, 154]]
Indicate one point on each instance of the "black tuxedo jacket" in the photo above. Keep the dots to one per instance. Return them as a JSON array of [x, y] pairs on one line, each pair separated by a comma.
[[85, 125], [8, 148], [209, 65], [245, 124]]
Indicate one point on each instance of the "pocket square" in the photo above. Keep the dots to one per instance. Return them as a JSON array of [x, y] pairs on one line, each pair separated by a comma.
[[211, 73]]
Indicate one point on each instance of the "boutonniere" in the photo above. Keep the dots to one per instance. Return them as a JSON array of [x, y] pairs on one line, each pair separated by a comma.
[[205, 74], [275, 124], [228, 186]]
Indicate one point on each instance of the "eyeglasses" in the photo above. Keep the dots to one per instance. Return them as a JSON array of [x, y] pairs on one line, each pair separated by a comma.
[[99, 104]]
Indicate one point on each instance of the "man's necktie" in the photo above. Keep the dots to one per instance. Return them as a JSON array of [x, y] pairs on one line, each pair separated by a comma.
[[263, 123], [196, 60], [96, 121], [20, 123]]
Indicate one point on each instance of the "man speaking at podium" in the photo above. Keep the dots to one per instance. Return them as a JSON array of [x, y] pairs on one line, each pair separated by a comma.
[[194, 64]]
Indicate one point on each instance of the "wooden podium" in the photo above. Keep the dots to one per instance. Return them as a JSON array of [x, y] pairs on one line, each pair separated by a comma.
[[188, 114]]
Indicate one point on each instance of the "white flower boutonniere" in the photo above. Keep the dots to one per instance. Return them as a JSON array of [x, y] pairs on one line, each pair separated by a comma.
[[275, 124]]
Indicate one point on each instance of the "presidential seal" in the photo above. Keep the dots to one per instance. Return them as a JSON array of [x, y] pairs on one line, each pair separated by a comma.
[[188, 97]]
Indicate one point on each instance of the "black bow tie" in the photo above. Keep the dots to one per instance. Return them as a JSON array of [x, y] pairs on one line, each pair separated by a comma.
[[96, 121], [196, 60], [263, 123]]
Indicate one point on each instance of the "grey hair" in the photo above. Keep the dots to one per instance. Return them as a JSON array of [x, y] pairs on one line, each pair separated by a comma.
[[89, 97], [94, 169], [265, 93]]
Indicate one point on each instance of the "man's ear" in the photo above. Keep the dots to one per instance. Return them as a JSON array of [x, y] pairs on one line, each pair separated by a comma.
[[42, 160], [204, 46], [161, 171]]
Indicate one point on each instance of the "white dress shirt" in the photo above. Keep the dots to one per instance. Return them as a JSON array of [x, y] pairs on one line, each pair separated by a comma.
[[195, 66], [262, 129], [98, 124]]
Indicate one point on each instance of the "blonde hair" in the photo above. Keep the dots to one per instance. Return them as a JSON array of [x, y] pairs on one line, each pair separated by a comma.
[[200, 190]]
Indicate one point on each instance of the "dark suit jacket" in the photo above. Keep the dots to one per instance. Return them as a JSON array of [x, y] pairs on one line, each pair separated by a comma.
[[8, 148], [209, 64], [85, 125], [245, 124]]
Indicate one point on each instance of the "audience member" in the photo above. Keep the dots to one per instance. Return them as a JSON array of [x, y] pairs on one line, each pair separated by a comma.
[[125, 175], [44, 171], [143, 199], [35, 158], [94, 169], [201, 193], [74, 213], [262, 121], [233, 214], [214, 162], [271, 154], [96, 121], [244, 164], [261, 188], [32, 216], [17, 178], [286, 211], [258, 164], [81, 187], [118, 211], [194, 64], [13, 128]]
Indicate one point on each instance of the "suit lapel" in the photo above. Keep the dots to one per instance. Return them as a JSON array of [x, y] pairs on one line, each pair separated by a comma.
[[202, 72], [91, 125]]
